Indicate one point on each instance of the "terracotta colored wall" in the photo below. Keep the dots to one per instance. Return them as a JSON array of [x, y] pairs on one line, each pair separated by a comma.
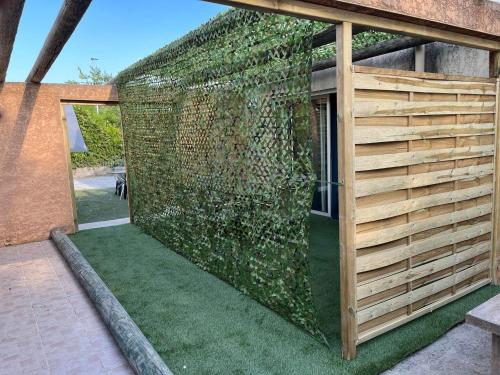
[[35, 193]]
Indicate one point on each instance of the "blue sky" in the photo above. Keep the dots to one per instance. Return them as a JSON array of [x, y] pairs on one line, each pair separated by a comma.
[[116, 32]]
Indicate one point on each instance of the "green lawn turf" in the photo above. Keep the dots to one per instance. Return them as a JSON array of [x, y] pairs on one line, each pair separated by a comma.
[[99, 205], [201, 325]]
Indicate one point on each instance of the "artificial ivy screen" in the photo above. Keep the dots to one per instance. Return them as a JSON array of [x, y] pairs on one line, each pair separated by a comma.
[[216, 129]]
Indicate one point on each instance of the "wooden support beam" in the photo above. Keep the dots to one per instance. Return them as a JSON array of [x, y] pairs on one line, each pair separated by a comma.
[[494, 64], [10, 14], [346, 191], [327, 36], [68, 18], [495, 72], [378, 49], [335, 15], [470, 17], [420, 58]]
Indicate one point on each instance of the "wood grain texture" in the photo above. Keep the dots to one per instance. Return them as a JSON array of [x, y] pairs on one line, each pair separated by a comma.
[[425, 179], [379, 134], [10, 14], [393, 233], [400, 108], [396, 254], [387, 184], [426, 269], [347, 226], [384, 211], [69, 16], [420, 293], [334, 14], [392, 324], [412, 84], [364, 163]]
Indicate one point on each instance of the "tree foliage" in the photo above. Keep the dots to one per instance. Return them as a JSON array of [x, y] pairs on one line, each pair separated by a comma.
[[95, 76], [102, 134]]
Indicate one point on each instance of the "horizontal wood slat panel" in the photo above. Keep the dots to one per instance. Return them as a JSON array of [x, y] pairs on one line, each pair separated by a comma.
[[380, 329], [396, 232], [422, 292], [419, 75], [396, 254], [415, 273], [379, 134], [400, 108], [424, 146], [365, 163], [410, 84], [385, 211], [387, 184]]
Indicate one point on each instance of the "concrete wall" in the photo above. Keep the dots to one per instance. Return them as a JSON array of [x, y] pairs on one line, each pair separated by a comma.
[[35, 190], [452, 59]]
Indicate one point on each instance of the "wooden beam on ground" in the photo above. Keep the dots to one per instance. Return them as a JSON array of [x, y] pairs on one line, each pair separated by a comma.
[[346, 191], [327, 36], [10, 14], [333, 14], [378, 49], [495, 72], [68, 18]]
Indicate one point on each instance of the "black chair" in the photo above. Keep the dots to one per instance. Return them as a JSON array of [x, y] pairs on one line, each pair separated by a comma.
[[121, 186]]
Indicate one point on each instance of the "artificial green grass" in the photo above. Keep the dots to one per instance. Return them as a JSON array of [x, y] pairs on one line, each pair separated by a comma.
[[201, 325], [325, 272], [99, 205]]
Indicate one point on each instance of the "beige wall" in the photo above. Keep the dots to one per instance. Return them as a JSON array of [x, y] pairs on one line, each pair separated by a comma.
[[35, 190]]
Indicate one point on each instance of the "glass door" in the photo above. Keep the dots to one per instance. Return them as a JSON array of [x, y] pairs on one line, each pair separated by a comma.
[[320, 128]]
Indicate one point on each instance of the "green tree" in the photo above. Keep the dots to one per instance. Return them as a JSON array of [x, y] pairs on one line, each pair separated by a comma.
[[95, 76]]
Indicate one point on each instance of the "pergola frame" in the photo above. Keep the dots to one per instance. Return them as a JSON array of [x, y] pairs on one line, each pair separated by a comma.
[[345, 21], [358, 16]]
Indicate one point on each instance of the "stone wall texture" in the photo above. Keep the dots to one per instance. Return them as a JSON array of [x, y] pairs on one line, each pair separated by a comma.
[[35, 185]]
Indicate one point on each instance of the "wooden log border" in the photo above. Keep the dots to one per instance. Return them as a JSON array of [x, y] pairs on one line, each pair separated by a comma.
[[134, 345]]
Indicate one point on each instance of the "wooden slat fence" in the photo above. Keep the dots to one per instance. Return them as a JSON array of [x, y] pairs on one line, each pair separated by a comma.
[[424, 182]]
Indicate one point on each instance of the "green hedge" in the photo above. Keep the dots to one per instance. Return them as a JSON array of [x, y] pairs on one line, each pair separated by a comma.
[[102, 134]]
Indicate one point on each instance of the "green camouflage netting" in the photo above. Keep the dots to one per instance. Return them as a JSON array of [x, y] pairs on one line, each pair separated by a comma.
[[216, 129]]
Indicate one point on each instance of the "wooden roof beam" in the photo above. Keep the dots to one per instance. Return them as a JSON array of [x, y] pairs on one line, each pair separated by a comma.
[[328, 35], [10, 14], [330, 12], [378, 49], [68, 18]]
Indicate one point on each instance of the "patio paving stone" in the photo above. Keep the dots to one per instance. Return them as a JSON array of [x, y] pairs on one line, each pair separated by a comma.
[[48, 325]]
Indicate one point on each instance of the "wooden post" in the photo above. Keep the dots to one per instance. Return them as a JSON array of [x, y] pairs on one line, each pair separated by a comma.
[[420, 58], [70, 14], [495, 72], [494, 64], [10, 14], [347, 226], [69, 165]]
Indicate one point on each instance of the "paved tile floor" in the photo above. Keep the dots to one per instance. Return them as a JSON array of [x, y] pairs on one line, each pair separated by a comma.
[[47, 323]]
